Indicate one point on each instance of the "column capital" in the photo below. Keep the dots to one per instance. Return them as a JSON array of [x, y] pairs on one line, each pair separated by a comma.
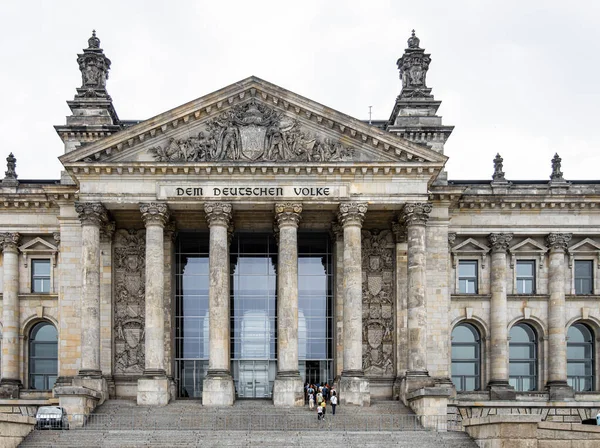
[[352, 213], [91, 213], [154, 213], [499, 241], [9, 241], [558, 241], [399, 230], [218, 213], [416, 213], [288, 213]]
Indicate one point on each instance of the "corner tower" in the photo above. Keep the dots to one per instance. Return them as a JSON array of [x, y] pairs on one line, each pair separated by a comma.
[[414, 116]]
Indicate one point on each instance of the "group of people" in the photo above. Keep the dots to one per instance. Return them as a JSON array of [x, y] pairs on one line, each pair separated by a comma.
[[319, 395]]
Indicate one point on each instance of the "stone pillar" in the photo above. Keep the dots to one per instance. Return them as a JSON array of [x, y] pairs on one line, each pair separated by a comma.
[[10, 382], [401, 275], [106, 304], [415, 217], [354, 387], [288, 389], [498, 385], [557, 344], [218, 384], [153, 386], [337, 234], [92, 215]]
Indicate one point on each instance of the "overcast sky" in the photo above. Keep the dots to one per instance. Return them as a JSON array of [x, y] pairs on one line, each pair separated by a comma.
[[516, 77]]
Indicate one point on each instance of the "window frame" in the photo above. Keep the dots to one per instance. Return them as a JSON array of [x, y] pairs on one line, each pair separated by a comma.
[[590, 260], [533, 277], [470, 261], [535, 361], [591, 361], [32, 277], [477, 361], [31, 358]]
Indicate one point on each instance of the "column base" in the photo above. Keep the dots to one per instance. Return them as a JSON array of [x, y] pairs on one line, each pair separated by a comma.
[[501, 390], [288, 390], [9, 388], [218, 389], [559, 391], [92, 382], [153, 391], [354, 389]]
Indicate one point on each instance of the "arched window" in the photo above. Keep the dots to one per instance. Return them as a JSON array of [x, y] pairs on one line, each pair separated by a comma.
[[580, 358], [523, 358], [466, 357], [43, 356]]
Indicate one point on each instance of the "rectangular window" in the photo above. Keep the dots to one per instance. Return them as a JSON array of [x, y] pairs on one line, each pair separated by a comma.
[[467, 276], [584, 278], [525, 277], [40, 276]]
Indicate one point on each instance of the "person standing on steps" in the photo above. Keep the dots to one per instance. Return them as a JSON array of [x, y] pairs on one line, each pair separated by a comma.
[[319, 412], [333, 402]]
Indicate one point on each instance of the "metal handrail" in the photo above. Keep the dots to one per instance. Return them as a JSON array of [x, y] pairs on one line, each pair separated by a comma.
[[247, 421]]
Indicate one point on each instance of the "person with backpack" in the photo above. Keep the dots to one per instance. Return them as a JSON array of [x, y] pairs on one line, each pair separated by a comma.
[[333, 402], [319, 412]]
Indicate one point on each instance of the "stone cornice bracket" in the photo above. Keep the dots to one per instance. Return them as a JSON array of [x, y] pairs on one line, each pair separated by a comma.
[[9, 241], [416, 213], [155, 213], [218, 213], [56, 236], [352, 213], [399, 230], [499, 241], [451, 238], [288, 213], [558, 241], [91, 213]]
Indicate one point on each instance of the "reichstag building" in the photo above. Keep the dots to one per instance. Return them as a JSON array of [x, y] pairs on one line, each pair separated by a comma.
[[253, 240]]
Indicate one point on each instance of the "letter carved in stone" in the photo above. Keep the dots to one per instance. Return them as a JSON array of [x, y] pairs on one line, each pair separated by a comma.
[[378, 302], [129, 306], [252, 132]]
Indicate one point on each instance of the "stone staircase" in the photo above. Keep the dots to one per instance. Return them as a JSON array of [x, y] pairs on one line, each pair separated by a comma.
[[121, 423]]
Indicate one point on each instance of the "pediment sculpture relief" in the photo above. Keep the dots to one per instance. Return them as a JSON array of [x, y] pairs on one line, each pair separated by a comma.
[[252, 132]]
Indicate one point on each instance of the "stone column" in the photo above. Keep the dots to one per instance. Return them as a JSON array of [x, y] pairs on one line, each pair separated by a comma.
[[92, 215], [153, 386], [10, 382], [288, 390], [557, 344], [415, 217], [498, 385], [354, 387], [337, 233], [400, 324], [218, 384]]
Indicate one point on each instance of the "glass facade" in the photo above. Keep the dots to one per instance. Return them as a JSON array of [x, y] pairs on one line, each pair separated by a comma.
[[466, 358], [43, 356], [315, 307], [191, 314], [523, 358], [580, 358]]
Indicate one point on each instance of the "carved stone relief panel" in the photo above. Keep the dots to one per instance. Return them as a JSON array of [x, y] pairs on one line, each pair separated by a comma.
[[129, 307], [378, 302], [252, 132]]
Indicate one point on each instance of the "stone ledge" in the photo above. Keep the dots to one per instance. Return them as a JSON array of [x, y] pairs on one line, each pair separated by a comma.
[[505, 418], [77, 390], [576, 427], [442, 392]]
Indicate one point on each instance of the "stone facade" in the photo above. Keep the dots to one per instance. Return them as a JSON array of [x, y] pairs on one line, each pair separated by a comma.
[[254, 157]]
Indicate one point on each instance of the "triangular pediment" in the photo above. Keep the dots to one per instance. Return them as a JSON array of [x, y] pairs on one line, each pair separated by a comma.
[[586, 245], [528, 245], [253, 121], [38, 245], [470, 245]]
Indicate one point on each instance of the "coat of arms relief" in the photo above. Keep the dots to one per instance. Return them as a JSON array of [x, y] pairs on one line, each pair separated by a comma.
[[378, 302], [129, 306], [252, 132]]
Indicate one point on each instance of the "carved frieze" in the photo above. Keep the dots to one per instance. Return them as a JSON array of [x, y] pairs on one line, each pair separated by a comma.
[[252, 132], [378, 302], [129, 306]]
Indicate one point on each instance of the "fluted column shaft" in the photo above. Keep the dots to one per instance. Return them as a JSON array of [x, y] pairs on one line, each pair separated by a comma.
[[10, 310], [557, 344], [498, 310], [351, 216], [415, 217], [155, 215], [218, 215], [92, 215], [287, 216]]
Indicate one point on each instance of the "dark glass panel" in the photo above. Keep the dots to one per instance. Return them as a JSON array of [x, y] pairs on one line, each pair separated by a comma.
[[525, 268], [44, 332], [40, 268], [583, 268], [464, 333]]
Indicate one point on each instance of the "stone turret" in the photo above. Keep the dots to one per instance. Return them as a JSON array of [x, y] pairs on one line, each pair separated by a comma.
[[415, 113], [93, 115]]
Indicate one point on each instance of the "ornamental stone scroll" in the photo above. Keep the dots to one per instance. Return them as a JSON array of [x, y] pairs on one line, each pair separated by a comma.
[[91, 213], [10, 241], [499, 241], [155, 213], [352, 213], [218, 213], [416, 213], [558, 241], [288, 213]]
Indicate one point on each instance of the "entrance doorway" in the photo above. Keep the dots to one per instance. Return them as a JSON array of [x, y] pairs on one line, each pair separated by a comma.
[[252, 378]]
